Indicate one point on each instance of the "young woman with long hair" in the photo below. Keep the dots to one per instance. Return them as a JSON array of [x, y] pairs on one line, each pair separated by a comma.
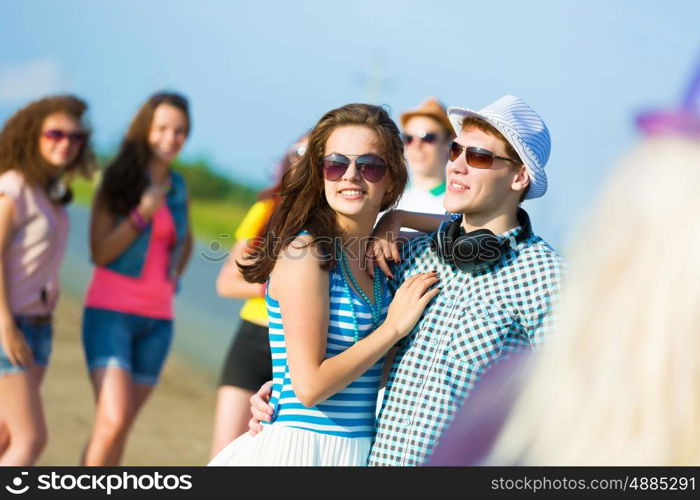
[[140, 243], [248, 364], [330, 324], [41, 147]]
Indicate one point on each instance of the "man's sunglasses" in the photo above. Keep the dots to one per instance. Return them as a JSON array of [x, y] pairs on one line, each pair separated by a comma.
[[58, 135], [476, 157], [371, 167], [427, 137]]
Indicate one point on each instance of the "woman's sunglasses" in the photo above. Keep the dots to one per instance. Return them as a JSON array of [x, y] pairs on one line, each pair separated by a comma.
[[427, 137], [58, 135], [371, 167], [476, 157]]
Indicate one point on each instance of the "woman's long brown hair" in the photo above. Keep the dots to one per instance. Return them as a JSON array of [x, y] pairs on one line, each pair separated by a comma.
[[126, 178], [19, 140], [304, 206]]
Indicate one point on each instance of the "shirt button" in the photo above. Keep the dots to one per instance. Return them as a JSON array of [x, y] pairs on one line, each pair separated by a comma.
[[406, 421], [450, 303], [434, 342]]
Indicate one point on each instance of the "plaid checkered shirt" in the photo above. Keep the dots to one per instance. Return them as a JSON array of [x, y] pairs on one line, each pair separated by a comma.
[[477, 318]]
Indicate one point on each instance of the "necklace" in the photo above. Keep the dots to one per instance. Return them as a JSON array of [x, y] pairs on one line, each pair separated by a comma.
[[374, 307]]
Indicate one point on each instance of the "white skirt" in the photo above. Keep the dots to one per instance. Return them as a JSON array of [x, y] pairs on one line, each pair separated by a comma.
[[280, 445]]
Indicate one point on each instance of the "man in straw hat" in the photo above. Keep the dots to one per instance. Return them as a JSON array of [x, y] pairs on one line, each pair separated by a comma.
[[499, 281], [427, 133]]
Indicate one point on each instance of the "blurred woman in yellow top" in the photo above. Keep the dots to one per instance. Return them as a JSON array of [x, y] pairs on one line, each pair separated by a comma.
[[248, 364]]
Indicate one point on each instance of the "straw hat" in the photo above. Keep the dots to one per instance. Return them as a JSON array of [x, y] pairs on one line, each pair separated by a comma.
[[432, 108]]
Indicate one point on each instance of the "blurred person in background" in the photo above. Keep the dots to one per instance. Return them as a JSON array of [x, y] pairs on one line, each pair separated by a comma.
[[41, 147], [620, 385], [140, 243], [427, 134], [248, 364]]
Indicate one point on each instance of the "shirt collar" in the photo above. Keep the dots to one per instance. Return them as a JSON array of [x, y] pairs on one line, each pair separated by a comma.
[[511, 234]]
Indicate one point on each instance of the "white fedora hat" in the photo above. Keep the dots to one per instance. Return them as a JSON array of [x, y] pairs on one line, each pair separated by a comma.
[[523, 129]]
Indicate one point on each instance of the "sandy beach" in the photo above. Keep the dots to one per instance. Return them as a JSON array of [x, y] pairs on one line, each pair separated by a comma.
[[174, 427]]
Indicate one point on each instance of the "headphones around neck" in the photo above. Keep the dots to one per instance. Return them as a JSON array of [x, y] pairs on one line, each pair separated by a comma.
[[478, 249], [59, 192]]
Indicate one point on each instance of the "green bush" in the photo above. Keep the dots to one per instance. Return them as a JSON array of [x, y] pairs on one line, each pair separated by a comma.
[[205, 184]]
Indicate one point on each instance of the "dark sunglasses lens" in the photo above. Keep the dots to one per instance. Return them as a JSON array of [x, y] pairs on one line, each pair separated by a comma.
[[429, 138], [372, 167], [479, 160], [455, 151], [54, 135], [334, 167], [407, 139], [59, 135]]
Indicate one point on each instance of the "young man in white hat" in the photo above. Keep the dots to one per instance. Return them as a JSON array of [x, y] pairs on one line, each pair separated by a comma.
[[499, 281]]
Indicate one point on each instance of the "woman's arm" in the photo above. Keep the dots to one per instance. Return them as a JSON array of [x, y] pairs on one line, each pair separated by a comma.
[[301, 288], [109, 238], [11, 338], [423, 222], [230, 282], [387, 236]]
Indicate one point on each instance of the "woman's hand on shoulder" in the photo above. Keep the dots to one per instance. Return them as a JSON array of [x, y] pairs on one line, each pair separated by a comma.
[[385, 244]]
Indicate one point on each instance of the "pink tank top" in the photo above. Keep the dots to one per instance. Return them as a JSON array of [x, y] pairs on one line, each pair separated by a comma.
[[149, 295]]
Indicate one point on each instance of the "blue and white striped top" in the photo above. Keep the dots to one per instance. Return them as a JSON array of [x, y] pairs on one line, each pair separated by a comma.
[[351, 412]]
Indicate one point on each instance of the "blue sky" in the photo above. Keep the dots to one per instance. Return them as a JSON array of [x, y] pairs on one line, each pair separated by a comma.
[[260, 73]]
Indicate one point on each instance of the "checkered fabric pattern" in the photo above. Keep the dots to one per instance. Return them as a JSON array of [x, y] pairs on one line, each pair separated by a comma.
[[476, 319]]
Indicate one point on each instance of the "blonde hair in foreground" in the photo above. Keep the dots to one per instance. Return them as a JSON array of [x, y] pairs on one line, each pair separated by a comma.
[[620, 384]]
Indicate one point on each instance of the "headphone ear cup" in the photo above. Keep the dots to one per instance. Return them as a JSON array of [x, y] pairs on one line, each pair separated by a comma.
[[478, 248], [438, 241], [451, 237]]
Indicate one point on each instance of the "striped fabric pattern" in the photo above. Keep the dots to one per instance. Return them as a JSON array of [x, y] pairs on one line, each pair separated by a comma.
[[523, 128], [349, 413], [477, 319]]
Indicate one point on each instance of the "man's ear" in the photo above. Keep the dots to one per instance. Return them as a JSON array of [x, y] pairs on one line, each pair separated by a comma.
[[521, 180]]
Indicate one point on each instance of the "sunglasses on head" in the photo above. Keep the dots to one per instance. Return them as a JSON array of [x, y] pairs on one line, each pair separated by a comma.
[[57, 135], [371, 167], [296, 151], [476, 157], [427, 137]]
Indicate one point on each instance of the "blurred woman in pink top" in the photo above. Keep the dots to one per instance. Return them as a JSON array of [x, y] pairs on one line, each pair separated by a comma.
[[41, 147], [140, 243]]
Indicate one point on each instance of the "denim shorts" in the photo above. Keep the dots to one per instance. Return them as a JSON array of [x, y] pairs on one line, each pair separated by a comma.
[[135, 343], [38, 336]]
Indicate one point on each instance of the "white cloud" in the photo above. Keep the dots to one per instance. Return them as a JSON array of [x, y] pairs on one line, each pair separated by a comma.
[[30, 80]]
